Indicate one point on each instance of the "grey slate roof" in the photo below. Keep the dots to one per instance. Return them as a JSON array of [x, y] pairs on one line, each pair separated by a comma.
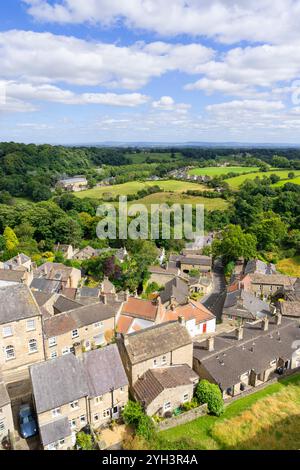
[[240, 303], [17, 303], [232, 358], [17, 261], [46, 285], [11, 275], [58, 382], [87, 292], [104, 370], [155, 381], [258, 266], [55, 431], [155, 341], [63, 304], [176, 288]]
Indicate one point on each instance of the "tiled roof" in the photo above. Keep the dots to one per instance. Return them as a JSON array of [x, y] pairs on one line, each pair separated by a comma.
[[192, 310], [176, 288], [17, 303], [11, 275], [124, 324], [272, 279], [139, 308], [156, 341], [240, 303], [55, 431], [63, 304], [290, 309], [155, 381]]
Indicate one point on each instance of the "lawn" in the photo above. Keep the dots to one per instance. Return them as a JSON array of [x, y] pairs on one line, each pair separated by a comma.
[[133, 187], [268, 419], [289, 266], [237, 181], [158, 157], [217, 171], [179, 198], [283, 182]]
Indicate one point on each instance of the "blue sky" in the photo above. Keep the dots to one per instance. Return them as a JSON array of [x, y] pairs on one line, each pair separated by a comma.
[[76, 71]]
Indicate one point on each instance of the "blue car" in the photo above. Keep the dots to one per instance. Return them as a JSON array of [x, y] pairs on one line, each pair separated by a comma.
[[28, 425]]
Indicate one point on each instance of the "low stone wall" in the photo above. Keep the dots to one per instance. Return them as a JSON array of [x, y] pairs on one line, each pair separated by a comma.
[[182, 418]]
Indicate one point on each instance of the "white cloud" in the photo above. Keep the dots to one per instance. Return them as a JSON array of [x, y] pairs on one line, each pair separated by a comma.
[[48, 58], [246, 106], [253, 20], [167, 103]]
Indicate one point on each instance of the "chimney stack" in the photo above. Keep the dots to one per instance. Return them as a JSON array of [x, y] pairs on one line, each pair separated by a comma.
[[265, 324], [210, 343], [181, 320], [125, 339], [77, 349], [239, 333], [278, 319], [104, 298]]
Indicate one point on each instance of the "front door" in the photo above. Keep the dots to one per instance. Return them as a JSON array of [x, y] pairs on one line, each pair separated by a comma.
[[204, 328], [115, 412]]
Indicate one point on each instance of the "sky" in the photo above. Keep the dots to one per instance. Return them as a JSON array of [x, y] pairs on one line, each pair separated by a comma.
[[92, 71]]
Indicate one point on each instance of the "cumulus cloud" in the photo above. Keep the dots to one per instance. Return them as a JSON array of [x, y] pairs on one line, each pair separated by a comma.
[[167, 103], [49, 58], [252, 20]]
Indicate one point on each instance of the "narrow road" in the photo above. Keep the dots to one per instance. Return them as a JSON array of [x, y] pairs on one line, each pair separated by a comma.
[[215, 300]]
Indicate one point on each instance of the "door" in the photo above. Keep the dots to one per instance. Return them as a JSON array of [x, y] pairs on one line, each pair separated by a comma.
[[115, 412], [204, 328]]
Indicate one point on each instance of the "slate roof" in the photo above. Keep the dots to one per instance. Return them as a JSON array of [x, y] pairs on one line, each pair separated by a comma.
[[10, 275], [41, 298], [155, 381], [64, 304], [17, 303], [104, 370], [273, 279], [48, 286], [176, 288], [258, 266], [290, 309], [55, 431], [88, 292], [82, 316], [17, 261], [232, 358], [58, 382], [155, 341], [243, 304]]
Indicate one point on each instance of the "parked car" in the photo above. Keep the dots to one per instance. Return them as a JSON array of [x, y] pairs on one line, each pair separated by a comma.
[[27, 421]]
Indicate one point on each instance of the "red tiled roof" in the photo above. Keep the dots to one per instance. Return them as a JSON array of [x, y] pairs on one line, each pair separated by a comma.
[[124, 324], [139, 308], [190, 311]]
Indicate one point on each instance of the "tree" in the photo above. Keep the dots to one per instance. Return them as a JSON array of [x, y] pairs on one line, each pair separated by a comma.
[[291, 175], [210, 394], [132, 413], [11, 240], [84, 441], [269, 229], [235, 243]]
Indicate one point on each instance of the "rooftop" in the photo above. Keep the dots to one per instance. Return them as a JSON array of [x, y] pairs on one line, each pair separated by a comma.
[[240, 303], [17, 303], [55, 431], [177, 289], [191, 311], [10, 275], [139, 308]]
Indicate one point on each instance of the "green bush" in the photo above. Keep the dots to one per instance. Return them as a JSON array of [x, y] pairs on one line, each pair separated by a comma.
[[145, 427], [189, 405], [84, 441], [132, 413], [209, 393]]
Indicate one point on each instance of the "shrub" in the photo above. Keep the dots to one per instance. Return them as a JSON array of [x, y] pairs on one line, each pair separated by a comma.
[[132, 413], [84, 441], [145, 427], [210, 394], [189, 405]]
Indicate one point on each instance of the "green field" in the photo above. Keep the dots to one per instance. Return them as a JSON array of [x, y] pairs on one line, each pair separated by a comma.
[[283, 182], [237, 181], [218, 171], [289, 266], [172, 193], [133, 187], [268, 419]]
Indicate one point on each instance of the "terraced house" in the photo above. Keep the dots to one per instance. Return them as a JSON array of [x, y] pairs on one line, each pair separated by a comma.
[[70, 392], [21, 337]]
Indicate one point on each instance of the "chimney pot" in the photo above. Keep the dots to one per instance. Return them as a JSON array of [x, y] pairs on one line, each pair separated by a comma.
[[210, 343], [181, 320]]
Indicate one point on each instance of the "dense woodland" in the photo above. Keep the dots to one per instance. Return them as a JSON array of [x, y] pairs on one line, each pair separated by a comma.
[[261, 220]]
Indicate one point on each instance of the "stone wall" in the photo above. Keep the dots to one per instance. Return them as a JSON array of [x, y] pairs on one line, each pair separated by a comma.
[[183, 418]]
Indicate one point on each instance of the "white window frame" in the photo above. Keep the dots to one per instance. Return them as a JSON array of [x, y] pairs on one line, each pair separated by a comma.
[[2, 425], [83, 419], [99, 399], [30, 342], [164, 360], [74, 405], [61, 442], [75, 333], [56, 412], [11, 357], [30, 328], [73, 424], [52, 342], [107, 413], [167, 406], [65, 351], [186, 397], [53, 355], [7, 328]]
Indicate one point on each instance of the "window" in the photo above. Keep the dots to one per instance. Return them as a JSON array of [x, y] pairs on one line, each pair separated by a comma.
[[185, 397], [167, 406], [96, 417], [82, 419], [53, 355], [10, 353], [72, 423], [52, 342], [106, 413], [164, 360], [155, 362], [75, 334], [74, 405], [98, 399], [273, 363], [32, 346], [7, 331], [98, 324], [2, 426], [30, 325], [99, 340], [56, 412], [122, 389], [61, 442], [65, 351]]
